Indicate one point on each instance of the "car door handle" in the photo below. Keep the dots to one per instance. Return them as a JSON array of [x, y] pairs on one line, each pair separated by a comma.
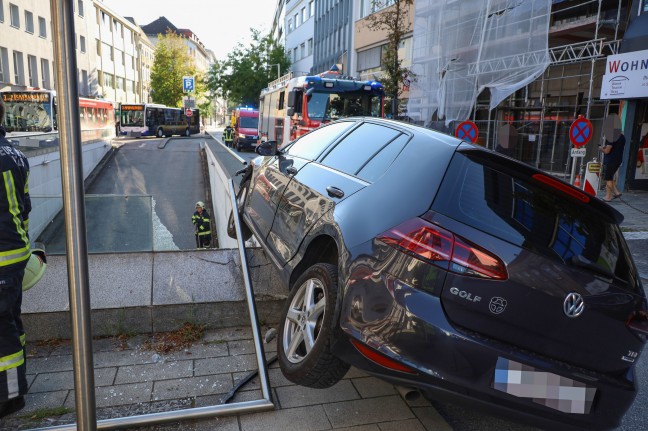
[[291, 170], [334, 192]]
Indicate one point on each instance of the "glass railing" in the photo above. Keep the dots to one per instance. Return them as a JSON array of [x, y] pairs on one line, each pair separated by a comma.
[[114, 224]]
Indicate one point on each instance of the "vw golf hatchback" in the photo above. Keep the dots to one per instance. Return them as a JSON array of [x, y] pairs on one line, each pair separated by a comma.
[[442, 266]]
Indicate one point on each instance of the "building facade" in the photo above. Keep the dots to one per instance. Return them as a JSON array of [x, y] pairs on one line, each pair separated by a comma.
[[300, 28], [333, 35]]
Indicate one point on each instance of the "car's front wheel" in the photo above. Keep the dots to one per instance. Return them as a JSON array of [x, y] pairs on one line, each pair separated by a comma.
[[304, 342]]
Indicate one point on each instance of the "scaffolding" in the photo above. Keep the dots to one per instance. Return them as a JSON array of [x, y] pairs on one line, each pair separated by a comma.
[[580, 37]]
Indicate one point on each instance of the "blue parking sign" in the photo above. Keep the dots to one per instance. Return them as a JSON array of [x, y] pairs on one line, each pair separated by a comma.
[[188, 83]]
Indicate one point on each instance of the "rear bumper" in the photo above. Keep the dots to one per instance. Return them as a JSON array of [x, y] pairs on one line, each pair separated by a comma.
[[409, 325], [247, 144]]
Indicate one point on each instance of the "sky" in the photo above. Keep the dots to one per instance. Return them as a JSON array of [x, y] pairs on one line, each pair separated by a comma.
[[219, 24]]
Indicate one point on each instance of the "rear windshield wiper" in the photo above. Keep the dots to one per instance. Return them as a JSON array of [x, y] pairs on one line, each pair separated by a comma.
[[583, 262]]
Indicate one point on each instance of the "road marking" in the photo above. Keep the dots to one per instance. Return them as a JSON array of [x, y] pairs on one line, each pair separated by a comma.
[[635, 235]]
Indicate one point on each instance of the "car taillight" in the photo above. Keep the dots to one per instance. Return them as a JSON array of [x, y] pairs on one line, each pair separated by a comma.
[[639, 324], [433, 244]]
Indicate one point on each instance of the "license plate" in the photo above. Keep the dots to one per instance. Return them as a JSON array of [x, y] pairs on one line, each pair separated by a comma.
[[551, 390]]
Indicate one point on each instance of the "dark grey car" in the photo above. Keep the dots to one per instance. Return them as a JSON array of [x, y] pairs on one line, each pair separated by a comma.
[[442, 266]]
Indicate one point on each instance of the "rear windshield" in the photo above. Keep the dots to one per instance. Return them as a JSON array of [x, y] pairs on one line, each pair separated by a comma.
[[529, 216]]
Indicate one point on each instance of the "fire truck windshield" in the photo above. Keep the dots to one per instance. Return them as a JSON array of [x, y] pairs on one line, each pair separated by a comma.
[[332, 106]]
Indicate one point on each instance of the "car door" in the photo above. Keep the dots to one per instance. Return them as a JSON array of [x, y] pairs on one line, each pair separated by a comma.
[[275, 173], [318, 186]]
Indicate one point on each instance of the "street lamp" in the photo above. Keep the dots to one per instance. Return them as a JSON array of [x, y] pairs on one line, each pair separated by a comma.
[[278, 69]]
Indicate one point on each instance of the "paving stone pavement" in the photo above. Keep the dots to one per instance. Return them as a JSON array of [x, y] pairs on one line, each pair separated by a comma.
[[131, 380]]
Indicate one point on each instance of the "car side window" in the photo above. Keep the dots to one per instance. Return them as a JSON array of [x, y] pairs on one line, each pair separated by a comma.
[[356, 150], [378, 164], [314, 143]]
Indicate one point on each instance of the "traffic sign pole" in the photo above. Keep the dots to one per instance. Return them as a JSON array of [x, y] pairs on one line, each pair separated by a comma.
[[580, 134]]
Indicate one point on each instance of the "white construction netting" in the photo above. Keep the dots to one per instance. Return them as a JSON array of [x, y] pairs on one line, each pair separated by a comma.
[[462, 47]]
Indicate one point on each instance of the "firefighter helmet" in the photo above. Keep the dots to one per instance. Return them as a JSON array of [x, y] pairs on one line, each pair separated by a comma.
[[200, 204], [35, 268]]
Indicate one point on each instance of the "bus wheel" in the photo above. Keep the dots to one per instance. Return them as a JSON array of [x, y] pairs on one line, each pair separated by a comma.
[[187, 132], [160, 133]]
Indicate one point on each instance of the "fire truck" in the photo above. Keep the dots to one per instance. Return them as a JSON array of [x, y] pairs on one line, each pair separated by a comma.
[[292, 106]]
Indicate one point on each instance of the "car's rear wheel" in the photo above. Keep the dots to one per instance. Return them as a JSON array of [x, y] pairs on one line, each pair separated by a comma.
[[304, 342], [240, 200], [160, 133]]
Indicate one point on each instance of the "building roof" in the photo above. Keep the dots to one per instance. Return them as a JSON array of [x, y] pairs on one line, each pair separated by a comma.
[[159, 26]]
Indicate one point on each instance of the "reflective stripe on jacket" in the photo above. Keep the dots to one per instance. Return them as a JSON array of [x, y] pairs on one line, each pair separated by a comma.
[[15, 205]]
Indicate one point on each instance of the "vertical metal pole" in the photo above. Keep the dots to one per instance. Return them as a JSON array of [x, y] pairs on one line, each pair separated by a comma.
[[74, 210]]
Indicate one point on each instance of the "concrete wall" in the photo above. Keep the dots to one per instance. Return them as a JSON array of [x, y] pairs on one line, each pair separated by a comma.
[[156, 291]]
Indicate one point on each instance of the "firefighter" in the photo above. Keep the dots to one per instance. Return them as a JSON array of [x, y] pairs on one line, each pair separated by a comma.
[[15, 206], [228, 136], [201, 221]]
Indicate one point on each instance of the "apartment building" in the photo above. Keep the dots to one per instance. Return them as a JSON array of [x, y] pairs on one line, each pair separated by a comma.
[[114, 57], [124, 57], [300, 29], [195, 47], [333, 35], [27, 50]]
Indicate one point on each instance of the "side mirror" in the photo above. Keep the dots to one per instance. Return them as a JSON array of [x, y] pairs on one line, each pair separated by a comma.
[[290, 112], [292, 95], [267, 148]]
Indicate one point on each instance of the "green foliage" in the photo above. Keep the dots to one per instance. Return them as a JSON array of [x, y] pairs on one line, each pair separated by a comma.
[[172, 62], [247, 70], [395, 21]]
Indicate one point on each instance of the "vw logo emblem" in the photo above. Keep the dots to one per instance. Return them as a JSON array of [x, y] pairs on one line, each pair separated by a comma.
[[573, 305]]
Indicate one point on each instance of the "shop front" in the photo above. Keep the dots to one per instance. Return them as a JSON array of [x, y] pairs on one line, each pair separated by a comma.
[[626, 80]]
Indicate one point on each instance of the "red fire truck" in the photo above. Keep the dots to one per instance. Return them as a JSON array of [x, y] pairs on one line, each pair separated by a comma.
[[292, 106]]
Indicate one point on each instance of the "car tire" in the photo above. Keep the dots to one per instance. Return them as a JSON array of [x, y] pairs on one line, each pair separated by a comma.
[[241, 195], [160, 133], [307, 317], [187, 133]]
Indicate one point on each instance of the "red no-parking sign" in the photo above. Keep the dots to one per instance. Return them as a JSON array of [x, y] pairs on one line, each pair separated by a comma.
[[467, 131], [188, 112], [580, 132]]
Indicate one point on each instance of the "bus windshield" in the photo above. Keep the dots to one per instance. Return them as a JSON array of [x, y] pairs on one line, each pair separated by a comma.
[[28, 112], [132, 115], [331, 106]]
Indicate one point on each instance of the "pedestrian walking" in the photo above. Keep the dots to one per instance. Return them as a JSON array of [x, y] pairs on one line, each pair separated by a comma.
[[15, 206], [612, 156], [202, 224], [228, 136]]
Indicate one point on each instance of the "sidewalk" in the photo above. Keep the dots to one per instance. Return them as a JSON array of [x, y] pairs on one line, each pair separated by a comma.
[[634, 207], [132, 380]]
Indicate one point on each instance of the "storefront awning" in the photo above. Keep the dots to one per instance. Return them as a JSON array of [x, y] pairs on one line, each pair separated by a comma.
[[636, 37]]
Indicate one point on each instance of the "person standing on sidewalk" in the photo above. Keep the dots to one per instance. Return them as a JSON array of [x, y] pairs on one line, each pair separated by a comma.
[[202, 223], [612, 158], [15, 206]]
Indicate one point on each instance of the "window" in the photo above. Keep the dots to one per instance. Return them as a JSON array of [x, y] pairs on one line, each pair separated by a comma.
[[82, 43], [123, 58], [311, 7], [303, 50], [4, 68], [295, 55], [359, 148], [19, 68], [29, 22], [310, 46], [1, 14], [304, 17], [290, 26], [314, 143], [15, 15], [32, 70], [45, 73], [109, 80], [80, 7], [296, 20], [42, 27]]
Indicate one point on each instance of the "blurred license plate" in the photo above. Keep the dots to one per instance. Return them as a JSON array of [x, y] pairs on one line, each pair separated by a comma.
[[551, 390]]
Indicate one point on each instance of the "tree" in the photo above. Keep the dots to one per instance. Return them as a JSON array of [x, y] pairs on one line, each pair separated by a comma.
[[247, 70], [395, 21], [172, 62]]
